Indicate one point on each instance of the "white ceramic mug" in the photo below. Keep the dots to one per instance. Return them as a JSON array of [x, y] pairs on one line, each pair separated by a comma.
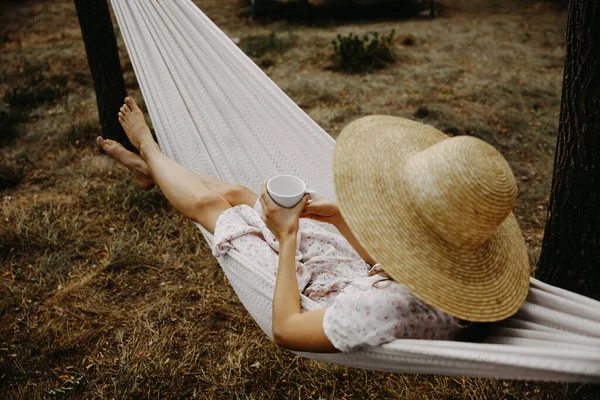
[[287, 190]]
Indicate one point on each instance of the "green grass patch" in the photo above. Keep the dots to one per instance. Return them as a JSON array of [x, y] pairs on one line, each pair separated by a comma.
[[363, 54]]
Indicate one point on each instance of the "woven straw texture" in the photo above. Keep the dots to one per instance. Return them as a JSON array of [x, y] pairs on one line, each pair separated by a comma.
[[216, 112], [435, 213]]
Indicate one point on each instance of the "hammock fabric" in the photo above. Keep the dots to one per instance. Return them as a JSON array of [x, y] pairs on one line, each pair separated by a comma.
[[217, 113]]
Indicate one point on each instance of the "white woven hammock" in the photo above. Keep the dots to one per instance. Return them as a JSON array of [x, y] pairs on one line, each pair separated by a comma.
[[216, 112]]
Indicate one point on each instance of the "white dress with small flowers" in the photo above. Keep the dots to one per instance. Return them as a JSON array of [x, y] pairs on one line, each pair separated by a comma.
[[361, 311]]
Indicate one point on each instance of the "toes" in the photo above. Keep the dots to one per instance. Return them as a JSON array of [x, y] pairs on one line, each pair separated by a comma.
[[131, 103], [123, 110], [126, 107], [121, 115], [100, 141]]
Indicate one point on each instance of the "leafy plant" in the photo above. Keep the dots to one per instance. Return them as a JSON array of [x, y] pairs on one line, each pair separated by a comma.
[[356, 54]]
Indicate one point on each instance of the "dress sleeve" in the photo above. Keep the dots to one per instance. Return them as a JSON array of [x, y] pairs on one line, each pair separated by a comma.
[[368, 313]]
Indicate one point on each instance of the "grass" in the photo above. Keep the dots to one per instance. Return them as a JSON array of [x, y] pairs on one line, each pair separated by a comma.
[[82, 132], [9, 119], [105, 290], [264, 48], [319, 12], [39, 87], [31, 97], [260, 45]]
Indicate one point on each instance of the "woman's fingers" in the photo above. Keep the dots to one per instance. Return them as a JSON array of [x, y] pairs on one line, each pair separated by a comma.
[[308, 209], [303, 203], [265, 201], [268, 202], [264, 194]]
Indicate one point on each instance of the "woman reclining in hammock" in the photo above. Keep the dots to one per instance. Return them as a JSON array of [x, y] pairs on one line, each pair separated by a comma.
[[435, 213]]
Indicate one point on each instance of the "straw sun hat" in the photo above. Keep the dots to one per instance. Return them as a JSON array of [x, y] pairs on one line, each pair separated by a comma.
[[435, 212]]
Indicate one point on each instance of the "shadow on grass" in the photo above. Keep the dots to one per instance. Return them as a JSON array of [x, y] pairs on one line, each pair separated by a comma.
[[38, 89], [11, 173]]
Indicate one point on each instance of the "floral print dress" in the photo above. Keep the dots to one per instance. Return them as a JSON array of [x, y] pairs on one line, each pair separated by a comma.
[[361, 311]]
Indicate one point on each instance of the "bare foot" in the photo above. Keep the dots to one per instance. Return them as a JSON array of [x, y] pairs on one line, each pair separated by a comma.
[[132, 121], [133, 162]]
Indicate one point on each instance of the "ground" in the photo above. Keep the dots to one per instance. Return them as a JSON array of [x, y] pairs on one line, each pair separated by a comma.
[[106, 292]]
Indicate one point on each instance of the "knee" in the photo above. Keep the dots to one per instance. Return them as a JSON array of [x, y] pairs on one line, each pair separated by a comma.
[[203, 204], [207, 201], [236, 194], [206, 209]]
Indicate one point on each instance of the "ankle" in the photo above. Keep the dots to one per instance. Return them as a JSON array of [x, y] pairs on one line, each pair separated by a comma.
[[148, 146]]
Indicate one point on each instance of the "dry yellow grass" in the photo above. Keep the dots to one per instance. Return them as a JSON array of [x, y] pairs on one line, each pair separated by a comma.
[[106, 292]]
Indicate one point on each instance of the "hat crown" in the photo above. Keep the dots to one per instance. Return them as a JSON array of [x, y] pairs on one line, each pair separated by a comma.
[[462, 187]]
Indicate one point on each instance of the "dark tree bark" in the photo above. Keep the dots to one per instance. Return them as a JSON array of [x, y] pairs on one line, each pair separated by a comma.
[[103, 59], [570, 255]]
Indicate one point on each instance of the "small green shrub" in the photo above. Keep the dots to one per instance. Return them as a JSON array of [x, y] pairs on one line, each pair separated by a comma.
[[355, 54], [258, 46]]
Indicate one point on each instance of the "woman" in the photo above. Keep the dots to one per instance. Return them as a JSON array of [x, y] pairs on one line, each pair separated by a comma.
[[440, 229]]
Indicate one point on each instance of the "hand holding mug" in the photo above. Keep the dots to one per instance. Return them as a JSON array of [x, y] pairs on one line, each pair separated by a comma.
[[282, 222], [288, 190]]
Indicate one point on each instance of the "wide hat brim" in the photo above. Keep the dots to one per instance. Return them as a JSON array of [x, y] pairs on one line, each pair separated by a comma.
[[486, 283]]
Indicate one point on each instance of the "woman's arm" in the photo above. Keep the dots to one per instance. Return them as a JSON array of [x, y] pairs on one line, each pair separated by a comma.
[[340, 224], [325, 210], [292, 329]]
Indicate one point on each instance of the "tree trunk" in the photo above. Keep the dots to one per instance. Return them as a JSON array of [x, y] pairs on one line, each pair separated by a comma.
[[103, 59], [570, 255]]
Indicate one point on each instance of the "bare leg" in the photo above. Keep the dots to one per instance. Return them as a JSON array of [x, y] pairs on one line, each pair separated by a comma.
[[234, 194], [181, 187], [184, 190]]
